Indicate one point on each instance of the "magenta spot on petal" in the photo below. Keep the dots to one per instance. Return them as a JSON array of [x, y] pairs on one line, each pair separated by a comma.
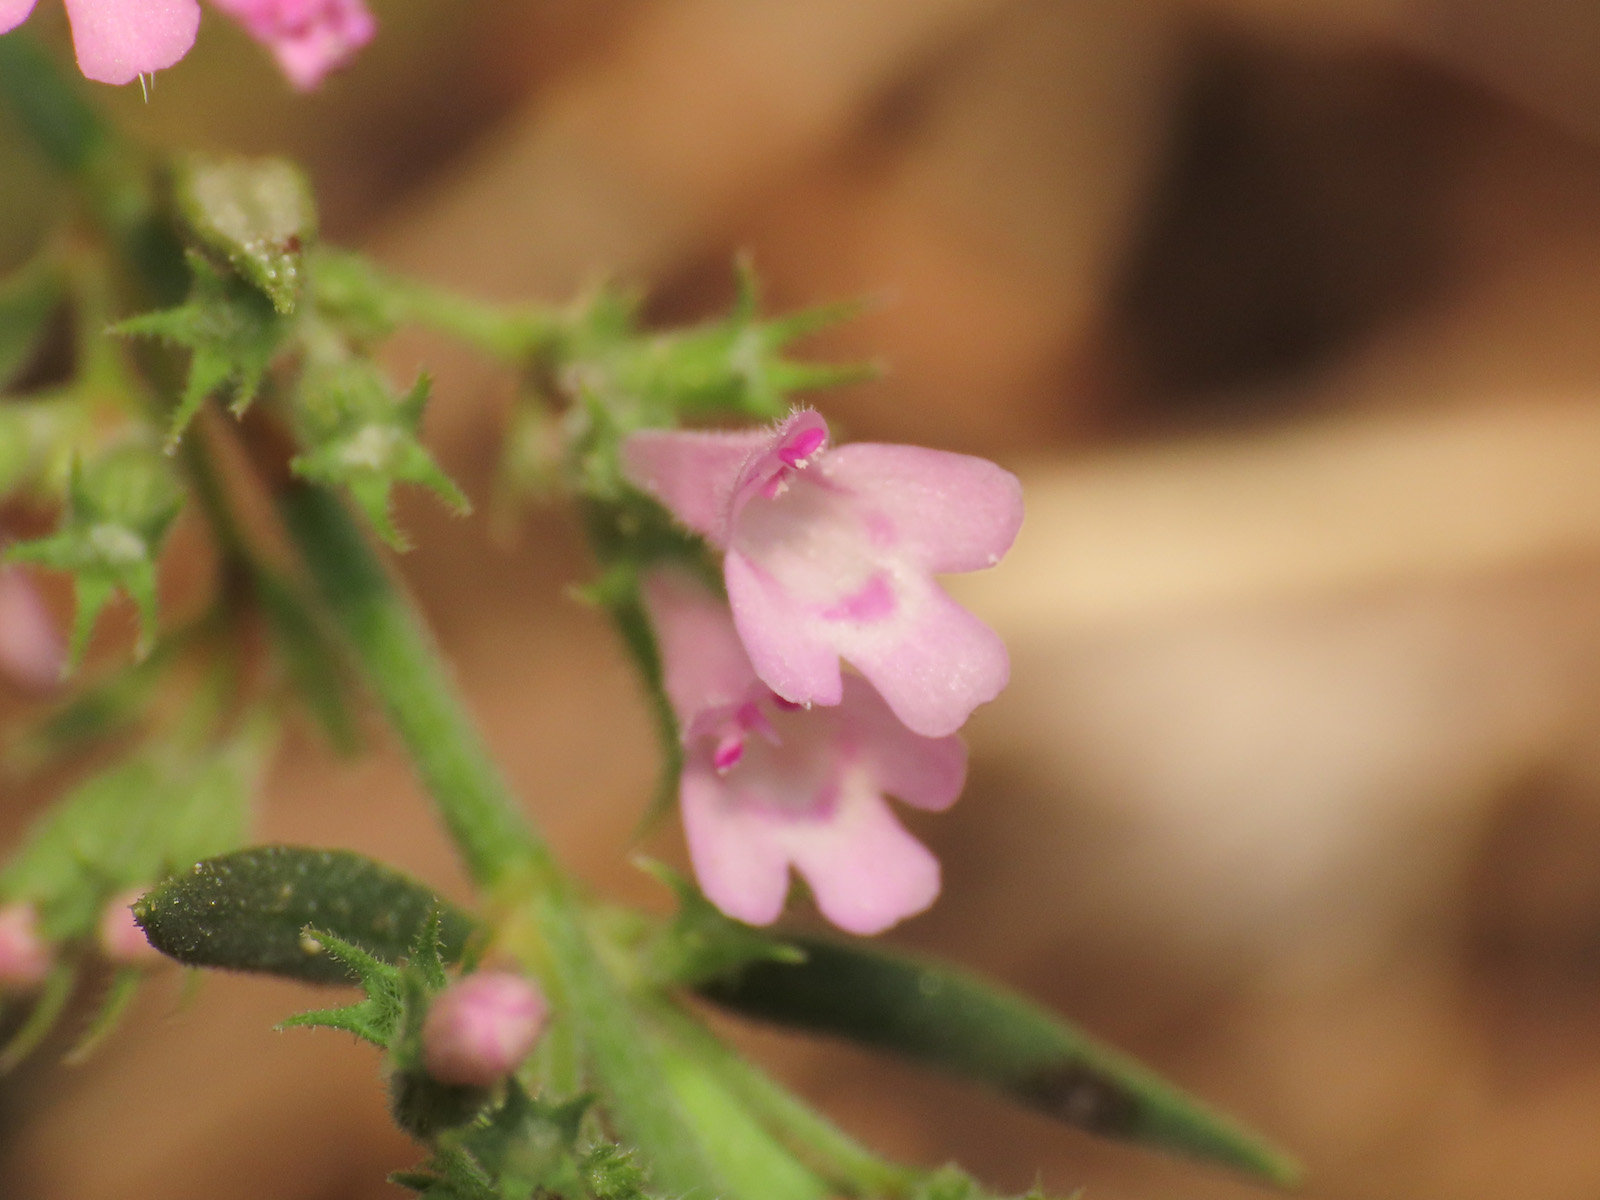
[[728, 752], [802, 446], [872, 603]]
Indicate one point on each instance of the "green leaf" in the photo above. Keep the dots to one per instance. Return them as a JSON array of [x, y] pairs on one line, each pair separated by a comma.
[[28, 299], [956, 1022], [233, 335], [248, 911], [128, 827], [258, 213]]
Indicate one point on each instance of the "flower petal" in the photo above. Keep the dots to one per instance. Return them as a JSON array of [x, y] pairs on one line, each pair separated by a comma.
[[14, 13], [694, 474], [932, 661], [780, 637], [926, 773], [119, 40], [866, 872], [704, 664], [738, 859], [947, 512]]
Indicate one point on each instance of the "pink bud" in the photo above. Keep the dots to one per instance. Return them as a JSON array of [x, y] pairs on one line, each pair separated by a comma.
[[25, 959], [31, 651], [481, 1027], [121, 939]]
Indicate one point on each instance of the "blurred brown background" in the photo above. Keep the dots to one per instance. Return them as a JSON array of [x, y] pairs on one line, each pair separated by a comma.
[[1289, 323]]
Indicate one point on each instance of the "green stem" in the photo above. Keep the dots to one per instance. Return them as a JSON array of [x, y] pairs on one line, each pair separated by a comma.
[[845, 1163], [504, 853]]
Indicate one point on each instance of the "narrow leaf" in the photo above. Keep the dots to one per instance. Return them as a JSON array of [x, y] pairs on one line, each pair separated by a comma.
[[955, 1022]]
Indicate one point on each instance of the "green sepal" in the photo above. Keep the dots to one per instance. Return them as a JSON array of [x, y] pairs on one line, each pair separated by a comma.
[[374, 1018], [247, 911], [119, 509], [28, 300], [528, 1146], [258, 213], [359, 435], [231, 331], [953, 1021], [735, 365], [700, 943]]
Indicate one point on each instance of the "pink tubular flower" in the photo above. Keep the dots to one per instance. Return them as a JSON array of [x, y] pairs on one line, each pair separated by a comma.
[[25, 958], [119, 40], [806, 790], [481, 1027], [121, 939], [31, 651], [831, 553], [309, 38]]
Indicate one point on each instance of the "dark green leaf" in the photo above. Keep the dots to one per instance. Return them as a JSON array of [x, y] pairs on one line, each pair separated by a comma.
[[248, 911], [258, 213], [955, 1022]]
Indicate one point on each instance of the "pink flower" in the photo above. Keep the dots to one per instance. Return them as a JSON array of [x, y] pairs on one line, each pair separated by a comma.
[[119, 40], [767, 785], [121, 939], [25, 958], [31, 651], [481, 1027], [831, 553], [309, 38]]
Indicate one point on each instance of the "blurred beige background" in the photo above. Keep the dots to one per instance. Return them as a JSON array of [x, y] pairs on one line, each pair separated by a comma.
[[1288, 322]]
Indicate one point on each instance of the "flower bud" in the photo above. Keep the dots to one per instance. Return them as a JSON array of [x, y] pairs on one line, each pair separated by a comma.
[[31, 651], [121, 939], [25, 958], [481, 1027]]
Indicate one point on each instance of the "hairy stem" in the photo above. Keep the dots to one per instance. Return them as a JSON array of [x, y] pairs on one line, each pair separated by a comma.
[[541, 921]]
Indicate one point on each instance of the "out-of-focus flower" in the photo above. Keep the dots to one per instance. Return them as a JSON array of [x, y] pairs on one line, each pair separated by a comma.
[[481, 1027], [25, 957], [767, 784], [119, 40], [309, 38], [121, 939], [31, 651], [831, 553]]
